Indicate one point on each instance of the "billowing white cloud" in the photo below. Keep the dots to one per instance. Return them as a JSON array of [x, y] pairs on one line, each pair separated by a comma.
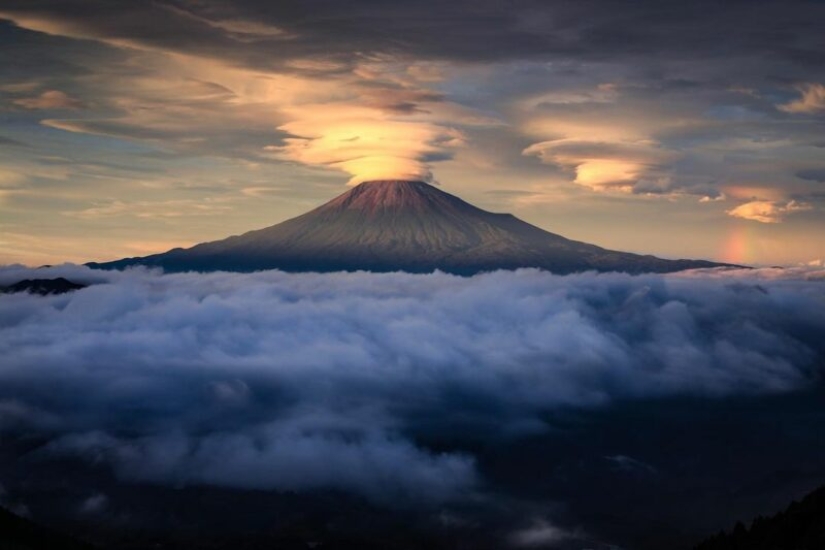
[[767, 211], [307, 453], [325, 381]]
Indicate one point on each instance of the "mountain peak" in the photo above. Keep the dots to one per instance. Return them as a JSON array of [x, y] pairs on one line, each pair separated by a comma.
[[395, 187], [370, 197], [401, 225]]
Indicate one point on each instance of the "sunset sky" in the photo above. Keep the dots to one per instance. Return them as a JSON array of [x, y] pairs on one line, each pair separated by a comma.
[[681, 129]]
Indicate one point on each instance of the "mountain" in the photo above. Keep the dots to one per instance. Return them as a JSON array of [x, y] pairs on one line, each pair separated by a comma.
[[401, 226], [42, 287], [800, 527]]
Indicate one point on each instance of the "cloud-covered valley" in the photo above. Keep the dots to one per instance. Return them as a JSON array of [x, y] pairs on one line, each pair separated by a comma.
[[290, 382]]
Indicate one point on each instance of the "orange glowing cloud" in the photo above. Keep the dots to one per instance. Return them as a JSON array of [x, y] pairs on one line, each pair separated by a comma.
[[767, 211], [607, 165], [365, 143], [51, 99], [372, 123], [376, 118], [812, 100]]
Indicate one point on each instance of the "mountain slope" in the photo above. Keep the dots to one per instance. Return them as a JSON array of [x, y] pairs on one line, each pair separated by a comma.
[[401, 225]]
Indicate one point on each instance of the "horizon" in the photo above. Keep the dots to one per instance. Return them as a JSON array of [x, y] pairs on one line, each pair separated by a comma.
[[121, 136], [436, 185]]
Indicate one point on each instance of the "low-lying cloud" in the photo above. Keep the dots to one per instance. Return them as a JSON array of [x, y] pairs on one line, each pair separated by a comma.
[[334, 381]]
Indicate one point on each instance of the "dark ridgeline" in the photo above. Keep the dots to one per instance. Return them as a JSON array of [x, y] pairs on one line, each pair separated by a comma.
[[43, 287], [401, 226], [800, 527]]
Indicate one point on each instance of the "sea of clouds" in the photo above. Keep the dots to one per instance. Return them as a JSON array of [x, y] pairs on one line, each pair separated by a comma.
[[335, 381]]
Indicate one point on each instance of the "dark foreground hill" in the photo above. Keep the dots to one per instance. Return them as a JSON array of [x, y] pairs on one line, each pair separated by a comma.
[[43, 287], [800, 527], [17, 533], [401, 226]]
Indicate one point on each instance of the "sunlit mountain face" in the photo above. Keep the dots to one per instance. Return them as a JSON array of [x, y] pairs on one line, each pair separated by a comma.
[[411, 275]]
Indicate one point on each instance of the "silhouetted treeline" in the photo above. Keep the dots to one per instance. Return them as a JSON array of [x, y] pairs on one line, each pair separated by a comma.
[[800, 527]]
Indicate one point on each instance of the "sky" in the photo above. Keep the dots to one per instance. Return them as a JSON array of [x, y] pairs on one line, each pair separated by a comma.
[[682, 129]]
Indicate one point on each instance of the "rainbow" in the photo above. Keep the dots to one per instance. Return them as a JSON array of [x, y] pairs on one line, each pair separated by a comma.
[[740, 246]]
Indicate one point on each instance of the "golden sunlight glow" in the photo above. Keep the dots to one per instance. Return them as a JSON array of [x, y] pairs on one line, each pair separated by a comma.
[[606, 165], [812, 100], [604, 173], [246, 114], [365, 143], [767, 211]]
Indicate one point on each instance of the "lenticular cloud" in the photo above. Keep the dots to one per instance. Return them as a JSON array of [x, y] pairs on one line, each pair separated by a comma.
[[332, 381]]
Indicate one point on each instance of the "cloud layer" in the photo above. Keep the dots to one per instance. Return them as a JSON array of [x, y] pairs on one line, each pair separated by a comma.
[[335, 381]]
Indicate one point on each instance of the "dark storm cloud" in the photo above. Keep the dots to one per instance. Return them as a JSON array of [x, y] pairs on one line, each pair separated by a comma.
[[8, 142], [302, 382], [462, 30], [812, 174], [687, 90], [34, 59]]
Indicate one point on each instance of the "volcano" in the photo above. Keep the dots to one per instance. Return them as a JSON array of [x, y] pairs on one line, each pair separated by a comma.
[[401, 226]]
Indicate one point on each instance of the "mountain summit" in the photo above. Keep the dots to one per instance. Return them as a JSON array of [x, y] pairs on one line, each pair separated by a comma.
[[401, 226]]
